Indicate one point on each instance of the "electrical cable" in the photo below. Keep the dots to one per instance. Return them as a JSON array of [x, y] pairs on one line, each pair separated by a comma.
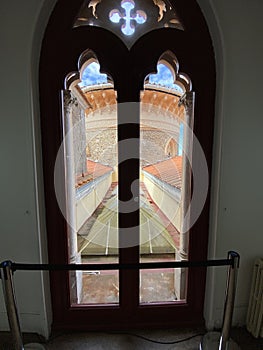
[[51, 339], [160, 342]]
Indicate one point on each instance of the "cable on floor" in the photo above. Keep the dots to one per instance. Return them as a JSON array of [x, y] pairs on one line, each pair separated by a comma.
[[160, 342], [52, 338]]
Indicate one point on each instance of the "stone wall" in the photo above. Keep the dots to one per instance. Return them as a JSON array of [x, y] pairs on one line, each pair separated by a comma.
[[101, 146], [102, 142], [153, 145]]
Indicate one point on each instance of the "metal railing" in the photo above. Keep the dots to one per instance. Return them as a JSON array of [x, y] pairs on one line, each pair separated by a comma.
[[210, 341]]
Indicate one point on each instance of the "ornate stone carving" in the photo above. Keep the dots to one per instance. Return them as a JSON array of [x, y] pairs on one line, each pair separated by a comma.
[[187, 100], [134, 23], [69, 100]]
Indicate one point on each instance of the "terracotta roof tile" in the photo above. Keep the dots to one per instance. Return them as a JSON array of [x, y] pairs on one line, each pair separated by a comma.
[[95, 170], [169, 171]]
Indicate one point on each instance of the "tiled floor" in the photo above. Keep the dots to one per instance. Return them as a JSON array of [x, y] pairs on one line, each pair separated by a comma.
[[103, 286], [132, 340]]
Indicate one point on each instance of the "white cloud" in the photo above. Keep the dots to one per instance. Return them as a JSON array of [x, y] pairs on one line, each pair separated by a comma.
[[92, 76], [163, 77]]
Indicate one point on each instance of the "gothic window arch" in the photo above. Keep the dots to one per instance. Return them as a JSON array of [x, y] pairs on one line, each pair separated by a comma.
[[126, 65]]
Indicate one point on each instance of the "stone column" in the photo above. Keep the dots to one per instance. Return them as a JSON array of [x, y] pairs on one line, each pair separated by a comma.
[[188, 101], [181, 275], [74, 257], [79, 130]]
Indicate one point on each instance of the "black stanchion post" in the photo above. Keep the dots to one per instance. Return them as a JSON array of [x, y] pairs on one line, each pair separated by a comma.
[[10, 304], [211, 341], [11, 308], [230, 300], [222, 341]]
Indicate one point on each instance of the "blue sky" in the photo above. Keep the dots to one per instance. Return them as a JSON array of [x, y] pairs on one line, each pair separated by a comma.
[[181, 140], [92, 76], [163, 77]]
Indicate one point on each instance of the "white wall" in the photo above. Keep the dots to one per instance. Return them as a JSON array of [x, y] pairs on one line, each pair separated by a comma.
[[236, 214], [21, 216], [168, 199], [238, 169], [89, 202]]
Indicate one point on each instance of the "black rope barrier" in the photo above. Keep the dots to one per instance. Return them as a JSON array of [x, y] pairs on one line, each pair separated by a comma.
[[211, 341], [116, 266]]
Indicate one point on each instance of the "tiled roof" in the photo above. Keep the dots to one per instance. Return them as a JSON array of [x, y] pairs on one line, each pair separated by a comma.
[[94, 170], [168, 171]]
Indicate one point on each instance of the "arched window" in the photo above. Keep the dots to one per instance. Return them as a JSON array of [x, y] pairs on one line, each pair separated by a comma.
[[171, 149], [117, 82]]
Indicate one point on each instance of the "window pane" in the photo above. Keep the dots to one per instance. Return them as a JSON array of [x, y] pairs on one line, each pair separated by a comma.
[[162, 186], [90, 158]]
